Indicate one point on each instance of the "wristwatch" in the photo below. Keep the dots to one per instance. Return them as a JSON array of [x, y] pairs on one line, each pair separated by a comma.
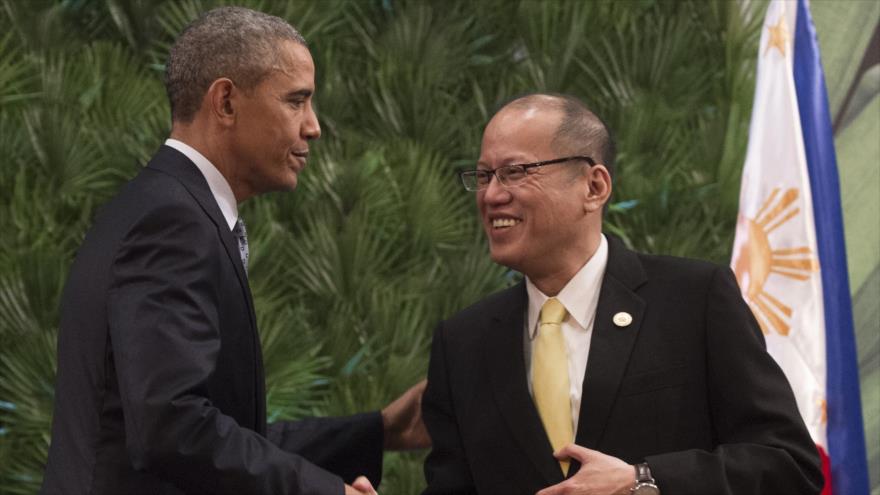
[[645, 484]]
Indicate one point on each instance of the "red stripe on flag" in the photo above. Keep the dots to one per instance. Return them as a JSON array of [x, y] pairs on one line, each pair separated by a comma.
[[826, 470]]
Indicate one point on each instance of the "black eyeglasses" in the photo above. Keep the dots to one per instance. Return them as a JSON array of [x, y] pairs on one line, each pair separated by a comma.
[[510, 175]]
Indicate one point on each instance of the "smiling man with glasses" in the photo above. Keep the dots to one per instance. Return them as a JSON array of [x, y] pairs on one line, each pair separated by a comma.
[[605, 371]]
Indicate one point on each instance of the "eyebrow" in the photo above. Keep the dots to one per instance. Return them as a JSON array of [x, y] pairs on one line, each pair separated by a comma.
[[505, 163], [302, 93]]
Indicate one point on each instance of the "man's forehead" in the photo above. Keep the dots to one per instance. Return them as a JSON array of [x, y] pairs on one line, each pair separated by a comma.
[[511, 122], [293, 58], [518, 135], [293, 69]]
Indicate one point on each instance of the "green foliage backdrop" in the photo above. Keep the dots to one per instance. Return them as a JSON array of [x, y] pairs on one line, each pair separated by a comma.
[[351, 272]]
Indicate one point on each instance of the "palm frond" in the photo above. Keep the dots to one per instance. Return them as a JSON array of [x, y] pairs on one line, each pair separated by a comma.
[[26, 398], [351, 272], [17, 77]]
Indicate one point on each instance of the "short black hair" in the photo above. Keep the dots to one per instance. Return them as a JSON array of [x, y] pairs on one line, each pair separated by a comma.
[[234, 42]]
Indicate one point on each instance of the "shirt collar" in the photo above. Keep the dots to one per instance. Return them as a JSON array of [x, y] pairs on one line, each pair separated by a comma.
[[216, 182], [580, 296]]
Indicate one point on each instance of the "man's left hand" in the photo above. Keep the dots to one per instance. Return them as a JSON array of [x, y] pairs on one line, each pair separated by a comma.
[[599, 474], [361, 486], [402, 420]]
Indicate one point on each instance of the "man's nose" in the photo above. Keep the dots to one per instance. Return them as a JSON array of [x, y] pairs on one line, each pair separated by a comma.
[[311, 129], [495, 192]]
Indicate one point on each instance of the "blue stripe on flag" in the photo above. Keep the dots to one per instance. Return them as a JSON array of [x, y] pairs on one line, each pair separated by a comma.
[[845, 431]]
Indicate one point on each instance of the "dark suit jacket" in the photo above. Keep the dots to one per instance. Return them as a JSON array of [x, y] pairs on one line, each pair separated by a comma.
[[160, 378], [687, 387]]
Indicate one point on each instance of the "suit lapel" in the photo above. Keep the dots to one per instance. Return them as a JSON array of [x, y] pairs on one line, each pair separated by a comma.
[[507, 372], [611, 345], [174, 163]]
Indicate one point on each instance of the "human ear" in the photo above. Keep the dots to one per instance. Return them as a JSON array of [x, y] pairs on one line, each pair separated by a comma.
[[220, 96], [598, 188]]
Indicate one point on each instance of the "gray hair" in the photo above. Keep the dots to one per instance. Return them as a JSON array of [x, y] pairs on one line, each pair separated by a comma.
[[580, 131], [233, 42]]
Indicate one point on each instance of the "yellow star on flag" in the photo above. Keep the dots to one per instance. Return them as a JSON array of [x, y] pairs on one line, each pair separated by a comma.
[[778, 36]]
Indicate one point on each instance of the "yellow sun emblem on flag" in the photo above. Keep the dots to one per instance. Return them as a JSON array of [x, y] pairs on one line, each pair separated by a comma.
[[757, 260]]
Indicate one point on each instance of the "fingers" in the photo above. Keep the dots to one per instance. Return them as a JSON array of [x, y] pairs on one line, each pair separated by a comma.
[[419, 388], [419, 438], [402, 421], [349, 490], [599, 474], [363, 485], [573, 451]]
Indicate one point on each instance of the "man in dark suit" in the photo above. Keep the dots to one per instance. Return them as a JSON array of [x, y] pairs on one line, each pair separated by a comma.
[[160, 385], [605, 371]]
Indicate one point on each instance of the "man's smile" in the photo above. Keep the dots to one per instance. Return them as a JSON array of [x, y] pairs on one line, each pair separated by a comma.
[[504, 222], [301, 157]]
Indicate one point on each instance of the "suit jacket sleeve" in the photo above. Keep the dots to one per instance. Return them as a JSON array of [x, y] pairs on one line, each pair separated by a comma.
[[163, 318], [446, 468], [349, 446], [763, 445]]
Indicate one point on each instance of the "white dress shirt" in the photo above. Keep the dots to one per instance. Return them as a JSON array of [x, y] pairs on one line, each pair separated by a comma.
[[580, 296], [220, 188]]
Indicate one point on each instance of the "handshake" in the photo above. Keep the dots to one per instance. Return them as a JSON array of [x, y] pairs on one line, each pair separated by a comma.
[[403, 430]]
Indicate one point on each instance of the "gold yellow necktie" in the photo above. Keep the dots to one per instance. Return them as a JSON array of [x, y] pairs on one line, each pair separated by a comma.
[[550, 377]]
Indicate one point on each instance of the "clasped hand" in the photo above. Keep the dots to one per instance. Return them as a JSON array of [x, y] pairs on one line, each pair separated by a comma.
[[361, 486], [402, 421], [599, 474], [403, 430]]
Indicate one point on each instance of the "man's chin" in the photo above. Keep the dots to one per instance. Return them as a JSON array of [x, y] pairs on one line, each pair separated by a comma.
[[289, 183], [504, 259], [285, 186]]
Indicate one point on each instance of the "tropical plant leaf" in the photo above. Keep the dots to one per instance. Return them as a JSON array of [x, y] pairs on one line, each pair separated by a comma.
[[352, 271]]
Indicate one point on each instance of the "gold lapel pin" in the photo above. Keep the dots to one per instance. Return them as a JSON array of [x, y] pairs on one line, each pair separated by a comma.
[[622, 319]]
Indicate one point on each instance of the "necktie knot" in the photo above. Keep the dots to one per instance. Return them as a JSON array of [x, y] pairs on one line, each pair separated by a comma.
[[239, 229], [552, 312]]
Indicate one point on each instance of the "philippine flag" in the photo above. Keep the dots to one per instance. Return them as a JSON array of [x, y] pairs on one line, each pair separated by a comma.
[[789, 254]]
